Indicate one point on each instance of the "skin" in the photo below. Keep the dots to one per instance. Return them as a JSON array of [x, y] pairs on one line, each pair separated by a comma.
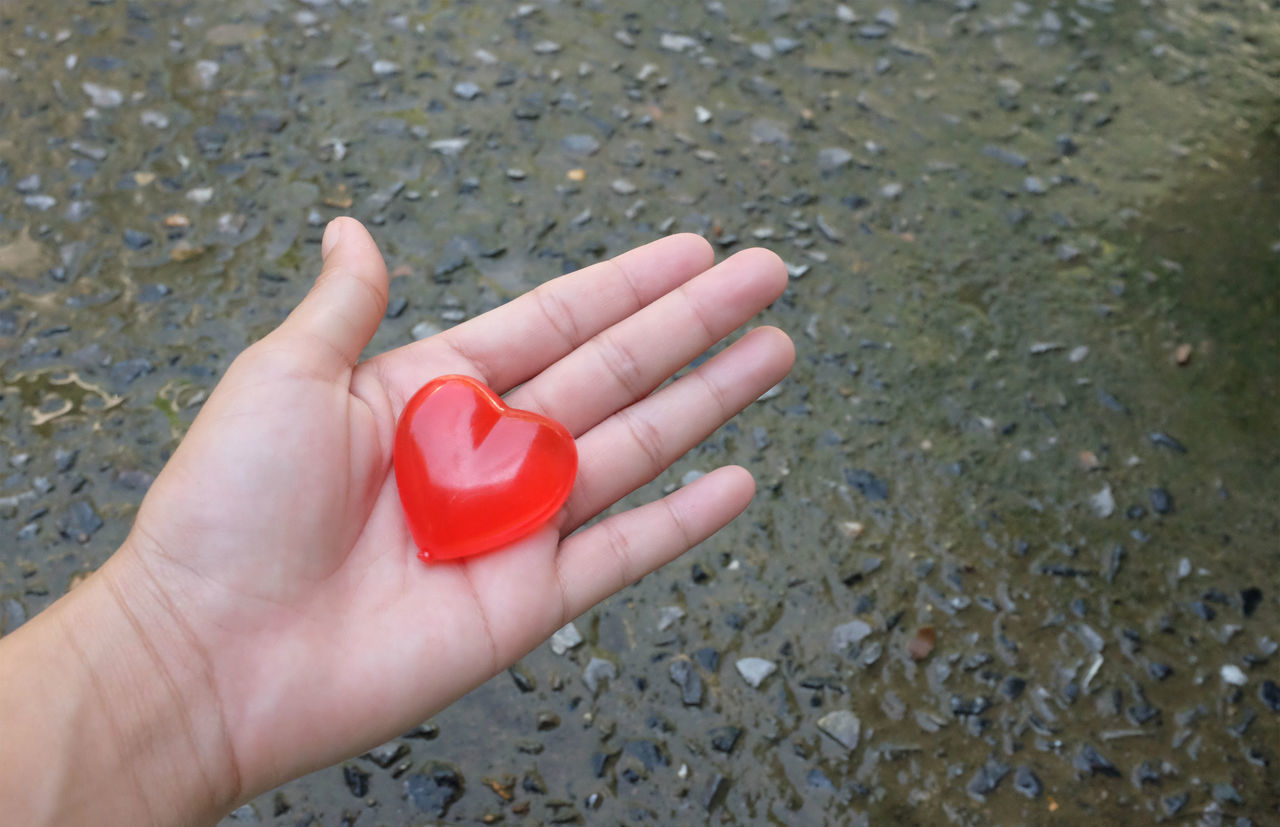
[[267, 615]]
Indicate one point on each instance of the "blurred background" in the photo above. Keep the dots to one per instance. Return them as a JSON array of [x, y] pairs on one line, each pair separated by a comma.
[[1015, 553]]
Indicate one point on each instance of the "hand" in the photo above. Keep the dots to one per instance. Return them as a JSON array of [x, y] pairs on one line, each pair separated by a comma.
[[270, 576]]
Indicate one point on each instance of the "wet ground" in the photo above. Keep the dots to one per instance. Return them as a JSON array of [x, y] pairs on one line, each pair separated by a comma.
[[1015, 555]]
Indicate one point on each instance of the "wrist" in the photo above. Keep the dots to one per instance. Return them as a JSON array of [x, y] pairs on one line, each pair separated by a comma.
[[121, 706]]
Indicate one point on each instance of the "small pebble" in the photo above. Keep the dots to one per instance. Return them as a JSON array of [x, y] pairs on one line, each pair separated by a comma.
[[1103, 503], [566, 638], [1027, 782], [1233, 675], [1269, 693], [598, 670], [755, 670], [843, 726], [847, 634], [1161, 501], [103, 97]]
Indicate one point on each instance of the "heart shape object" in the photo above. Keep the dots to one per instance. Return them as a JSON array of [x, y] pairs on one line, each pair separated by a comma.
[[474, 474]]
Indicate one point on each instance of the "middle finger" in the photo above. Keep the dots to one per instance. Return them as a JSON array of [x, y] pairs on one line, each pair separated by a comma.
[[627, 361]]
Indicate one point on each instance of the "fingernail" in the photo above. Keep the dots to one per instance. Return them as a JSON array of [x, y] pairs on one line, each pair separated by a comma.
[[330, 240]]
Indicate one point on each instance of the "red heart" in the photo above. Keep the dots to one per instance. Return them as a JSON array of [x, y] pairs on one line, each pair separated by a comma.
[[475, 475]]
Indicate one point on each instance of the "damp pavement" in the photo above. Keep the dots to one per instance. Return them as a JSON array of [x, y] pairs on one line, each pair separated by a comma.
[[1014, 555]]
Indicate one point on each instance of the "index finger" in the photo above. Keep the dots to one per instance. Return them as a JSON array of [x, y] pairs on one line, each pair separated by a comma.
[[514, 342]]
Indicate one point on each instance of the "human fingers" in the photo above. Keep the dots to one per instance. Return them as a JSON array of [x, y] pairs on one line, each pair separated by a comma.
[[618, 551], [338, 317], [511, 343], [628, 360], [639, 442]]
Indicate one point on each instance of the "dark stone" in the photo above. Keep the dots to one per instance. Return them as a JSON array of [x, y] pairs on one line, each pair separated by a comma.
[[1269, 692], [448, 265], [600, 763], [396, 306], [269, 121], [387, 754], [1202, 610], [533, 783], [707, 658], [65, 459], [12, 615], [523, 680], [1163, 440], [82, 521], [136, 239], [1174, 803], [1027, 782], [1145, 773], [1250, 598], [714, 792], [427, 732], [1005, 155], [975, 725], [647, 752], [1062, 570], [1110, 402], [435, 789], [1089, 760], [724, 738], [1226, 794], [1141, 712], [867, 484], [581, 145], [126, 372], [530, 107], [968, 706], [1114, 563], [134, 480], [686, 677], [1012, 687], [210, 141], [1161, 500], [1159, 671], [816, 779], [357, 780], [986, 779]]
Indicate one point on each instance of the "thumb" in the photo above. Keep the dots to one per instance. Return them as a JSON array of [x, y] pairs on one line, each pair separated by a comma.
[[347, 301]]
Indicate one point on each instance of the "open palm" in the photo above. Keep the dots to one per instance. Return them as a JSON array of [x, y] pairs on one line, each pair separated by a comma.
[[275, 542]]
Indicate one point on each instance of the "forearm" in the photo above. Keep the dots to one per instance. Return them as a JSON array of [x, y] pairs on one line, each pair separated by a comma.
[[103, 721]]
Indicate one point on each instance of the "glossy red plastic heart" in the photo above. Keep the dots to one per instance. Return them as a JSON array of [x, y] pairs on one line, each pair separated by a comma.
[[475, 475]]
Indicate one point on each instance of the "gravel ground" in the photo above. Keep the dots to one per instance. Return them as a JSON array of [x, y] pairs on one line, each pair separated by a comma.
[[1015, 551]]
